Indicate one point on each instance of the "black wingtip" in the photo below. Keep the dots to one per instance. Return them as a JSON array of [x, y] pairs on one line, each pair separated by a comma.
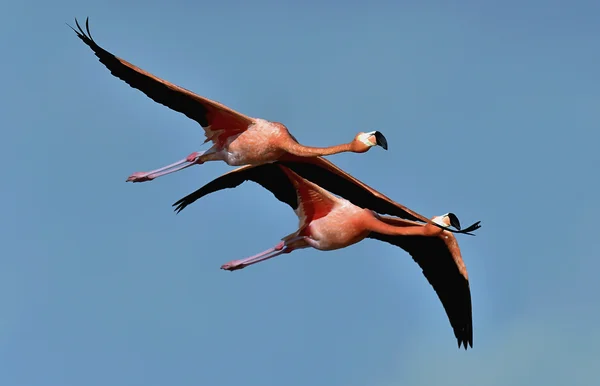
[[80, 33], [73, 28], [87, 27], [381, 140], [454, 220], [472, 227], [70, 26], [465, 343], [78, 26], [180, 205]]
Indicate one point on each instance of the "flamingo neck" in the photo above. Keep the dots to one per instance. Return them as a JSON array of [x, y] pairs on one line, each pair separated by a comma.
[[376, 225], [307, 151]]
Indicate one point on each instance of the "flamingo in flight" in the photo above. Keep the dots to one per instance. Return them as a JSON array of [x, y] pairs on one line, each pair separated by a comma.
[[236, 138], [327, 222]]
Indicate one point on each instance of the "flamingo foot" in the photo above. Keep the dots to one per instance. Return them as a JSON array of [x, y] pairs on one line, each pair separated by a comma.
[[140, 177], [193, 159], [233, 265]]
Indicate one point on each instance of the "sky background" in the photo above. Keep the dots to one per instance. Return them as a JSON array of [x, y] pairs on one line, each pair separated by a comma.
[[491, 110]]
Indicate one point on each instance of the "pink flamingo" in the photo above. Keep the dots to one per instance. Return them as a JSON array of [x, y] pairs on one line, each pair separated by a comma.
[[237, 139], [328, 223]]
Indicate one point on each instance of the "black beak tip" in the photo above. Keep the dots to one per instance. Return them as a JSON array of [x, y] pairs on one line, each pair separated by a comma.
[[381, 140], [454, 221]]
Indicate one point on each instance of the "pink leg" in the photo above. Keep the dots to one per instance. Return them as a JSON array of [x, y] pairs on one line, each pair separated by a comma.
[[190, 160], [277, 250]]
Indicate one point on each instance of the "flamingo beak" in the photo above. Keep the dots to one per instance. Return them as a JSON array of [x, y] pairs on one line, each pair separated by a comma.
[[454, 220], [380, 140]]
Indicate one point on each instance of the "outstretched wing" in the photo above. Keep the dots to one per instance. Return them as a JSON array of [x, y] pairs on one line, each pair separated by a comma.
[[440, 259], [333, 179], [316, 170], [269, 176], [309, 201], [218, 121], [324, 174]]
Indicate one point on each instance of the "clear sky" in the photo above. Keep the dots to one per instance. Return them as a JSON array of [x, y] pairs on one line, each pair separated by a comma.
[[491, 110]]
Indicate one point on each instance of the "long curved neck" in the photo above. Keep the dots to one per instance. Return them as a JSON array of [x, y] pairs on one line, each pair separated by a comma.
[[376, 225], [307, 151]]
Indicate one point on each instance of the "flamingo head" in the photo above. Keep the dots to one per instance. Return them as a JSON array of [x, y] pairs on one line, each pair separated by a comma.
[[447, 220], [365, 141]]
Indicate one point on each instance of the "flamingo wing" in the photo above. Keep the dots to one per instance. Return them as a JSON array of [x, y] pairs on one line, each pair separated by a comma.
[[330, 177], [269, 176], [443, 267], [317, 170], [321, 173], [218, 120]]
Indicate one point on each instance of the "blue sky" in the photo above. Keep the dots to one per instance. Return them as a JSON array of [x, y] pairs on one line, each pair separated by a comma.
[[491, 111]]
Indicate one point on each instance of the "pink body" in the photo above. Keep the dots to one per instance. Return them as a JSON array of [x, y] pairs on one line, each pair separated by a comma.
[[262, 142]]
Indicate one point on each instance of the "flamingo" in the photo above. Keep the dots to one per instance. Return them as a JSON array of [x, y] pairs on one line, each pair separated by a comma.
[[327, 222], [236, 138]]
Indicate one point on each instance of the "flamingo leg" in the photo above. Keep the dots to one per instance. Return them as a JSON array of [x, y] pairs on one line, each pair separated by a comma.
[[190, 160], [270, 253]]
